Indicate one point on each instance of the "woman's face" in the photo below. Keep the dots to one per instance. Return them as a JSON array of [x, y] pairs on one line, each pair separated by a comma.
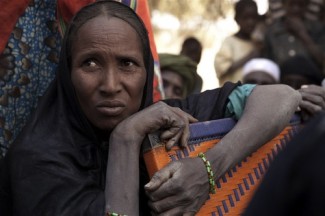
[[108, 71]]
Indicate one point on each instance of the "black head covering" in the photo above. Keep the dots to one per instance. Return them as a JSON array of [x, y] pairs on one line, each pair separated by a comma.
[[58, 147], [301, 65]]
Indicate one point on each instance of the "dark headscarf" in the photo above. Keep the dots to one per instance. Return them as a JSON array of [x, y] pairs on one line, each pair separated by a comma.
[[301, 65], [59, 147], [182, 65]]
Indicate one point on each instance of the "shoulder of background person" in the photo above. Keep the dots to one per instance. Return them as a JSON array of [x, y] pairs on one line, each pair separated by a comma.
[[229, 39], [315, 28], [276, 27]]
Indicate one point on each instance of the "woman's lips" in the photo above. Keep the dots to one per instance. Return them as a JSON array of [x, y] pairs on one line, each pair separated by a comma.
[[110, 108], [110, 111]]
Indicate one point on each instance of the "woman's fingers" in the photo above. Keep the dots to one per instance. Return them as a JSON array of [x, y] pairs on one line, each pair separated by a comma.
[[184, 115], [170, 143], [171, 122], [171, 131], [172, 206], [156, 180], [159, 181], [186, 131], [184, 204], [182, 179], [177, 128], [174, 135]]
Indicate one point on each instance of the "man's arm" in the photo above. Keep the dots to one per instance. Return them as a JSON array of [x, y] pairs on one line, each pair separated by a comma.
[[268, 110]]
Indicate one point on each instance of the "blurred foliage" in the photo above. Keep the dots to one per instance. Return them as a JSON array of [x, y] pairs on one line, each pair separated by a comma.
[[186, 9]]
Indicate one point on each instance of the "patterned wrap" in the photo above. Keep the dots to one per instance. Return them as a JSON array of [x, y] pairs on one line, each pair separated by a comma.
[[27, 66]]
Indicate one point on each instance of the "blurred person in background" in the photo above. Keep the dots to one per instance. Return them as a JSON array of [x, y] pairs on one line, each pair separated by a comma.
[[294, 34], [179, 75], [192, 48], [261, 71], [264, 71], [301, 74], [237, 49], [298, 71]]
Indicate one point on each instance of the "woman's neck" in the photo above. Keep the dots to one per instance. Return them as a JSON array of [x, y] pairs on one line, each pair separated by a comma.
[[102, 135]]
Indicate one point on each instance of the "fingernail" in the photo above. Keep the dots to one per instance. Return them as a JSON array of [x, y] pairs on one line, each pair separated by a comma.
[[148, 185]]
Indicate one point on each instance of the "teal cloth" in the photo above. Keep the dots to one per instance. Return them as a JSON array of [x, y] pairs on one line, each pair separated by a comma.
[[237, 100]]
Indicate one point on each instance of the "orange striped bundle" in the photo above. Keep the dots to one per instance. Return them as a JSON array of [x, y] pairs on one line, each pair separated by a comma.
[[236, 187]]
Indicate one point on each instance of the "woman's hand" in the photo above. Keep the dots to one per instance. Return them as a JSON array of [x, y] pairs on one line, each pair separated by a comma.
[[313, 100], [180, 188], [173, 122], [121, 191]]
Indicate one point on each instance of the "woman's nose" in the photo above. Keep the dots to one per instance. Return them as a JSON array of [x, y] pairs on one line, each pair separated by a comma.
[[110, 81]]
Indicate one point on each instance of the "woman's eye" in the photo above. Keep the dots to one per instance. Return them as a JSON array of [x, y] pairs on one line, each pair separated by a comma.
[[127, 63], [89, 63]]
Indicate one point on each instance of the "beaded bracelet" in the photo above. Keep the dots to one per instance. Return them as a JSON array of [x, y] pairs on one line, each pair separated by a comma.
[[210, 172], [114, 214]]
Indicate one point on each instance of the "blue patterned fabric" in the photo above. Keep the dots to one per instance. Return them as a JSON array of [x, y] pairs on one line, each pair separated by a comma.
[[27, 66]]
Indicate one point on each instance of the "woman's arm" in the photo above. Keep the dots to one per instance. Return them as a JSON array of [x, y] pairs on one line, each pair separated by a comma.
[[122, 176]]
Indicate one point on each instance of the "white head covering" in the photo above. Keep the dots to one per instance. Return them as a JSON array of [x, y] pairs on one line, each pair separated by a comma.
[[323, 83], [264, 65]]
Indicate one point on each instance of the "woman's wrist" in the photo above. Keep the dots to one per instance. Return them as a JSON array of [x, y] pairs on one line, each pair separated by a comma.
[[126, 136]]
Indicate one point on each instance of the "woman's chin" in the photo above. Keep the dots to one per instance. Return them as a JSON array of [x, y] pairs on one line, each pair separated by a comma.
[[108, 125]]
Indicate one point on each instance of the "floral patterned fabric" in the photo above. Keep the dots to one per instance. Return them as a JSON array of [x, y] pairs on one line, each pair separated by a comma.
[[27, 66]]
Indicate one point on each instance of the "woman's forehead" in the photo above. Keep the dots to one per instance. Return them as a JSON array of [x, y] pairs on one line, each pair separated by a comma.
[[106, 23], [103, 30]]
